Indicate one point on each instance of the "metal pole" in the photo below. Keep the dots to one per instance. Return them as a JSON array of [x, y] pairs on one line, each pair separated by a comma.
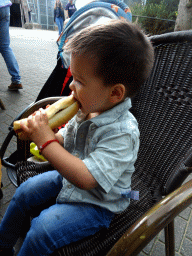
[[38, 13], [47, 13]]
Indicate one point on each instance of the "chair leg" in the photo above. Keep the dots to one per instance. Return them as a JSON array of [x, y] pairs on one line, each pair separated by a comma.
[[2, 105], [169, 239]]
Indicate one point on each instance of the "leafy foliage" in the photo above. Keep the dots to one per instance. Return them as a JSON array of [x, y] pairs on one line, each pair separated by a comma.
[[156, 14]]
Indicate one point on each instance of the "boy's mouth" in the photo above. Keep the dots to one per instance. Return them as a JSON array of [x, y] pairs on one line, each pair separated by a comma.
[[80, 106]]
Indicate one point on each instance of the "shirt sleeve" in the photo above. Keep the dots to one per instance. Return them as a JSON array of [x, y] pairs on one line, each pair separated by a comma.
[[114, 154]]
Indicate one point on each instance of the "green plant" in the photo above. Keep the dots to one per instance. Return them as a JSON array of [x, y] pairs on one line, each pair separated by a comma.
[[158, 15]]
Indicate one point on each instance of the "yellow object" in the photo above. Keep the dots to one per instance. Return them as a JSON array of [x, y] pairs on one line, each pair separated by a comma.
[[35, 151]]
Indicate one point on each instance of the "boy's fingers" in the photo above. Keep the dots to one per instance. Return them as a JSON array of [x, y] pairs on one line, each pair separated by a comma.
[[43, 114], [42, 111], [38, 116], [30, 120], [24, 127], [22, 136]]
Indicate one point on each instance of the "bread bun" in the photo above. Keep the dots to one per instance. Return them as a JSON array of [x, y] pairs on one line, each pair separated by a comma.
[[58, 113]]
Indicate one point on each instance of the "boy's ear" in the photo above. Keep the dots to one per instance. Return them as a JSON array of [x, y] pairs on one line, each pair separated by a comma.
[[117, 93]]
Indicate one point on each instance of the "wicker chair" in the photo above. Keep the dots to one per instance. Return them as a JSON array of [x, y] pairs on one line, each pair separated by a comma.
[[163, 108]]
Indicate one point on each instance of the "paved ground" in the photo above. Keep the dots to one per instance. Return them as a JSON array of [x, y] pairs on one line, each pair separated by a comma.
[[36, 53]]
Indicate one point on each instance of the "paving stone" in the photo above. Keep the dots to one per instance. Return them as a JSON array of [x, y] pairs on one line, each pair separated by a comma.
[[3, 127], [180, 226], [8, 193], [142, 254], [188, 178], [159, 249], [189, 229], [148, 248], [3, 207], [186, 213], [186, 249], [5, 178]]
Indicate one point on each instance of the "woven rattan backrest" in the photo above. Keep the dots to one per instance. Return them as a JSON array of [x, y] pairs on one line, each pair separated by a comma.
[[163, 109]]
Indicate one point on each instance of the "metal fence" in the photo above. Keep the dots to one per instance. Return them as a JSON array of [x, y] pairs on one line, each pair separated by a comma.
[[42, 12]]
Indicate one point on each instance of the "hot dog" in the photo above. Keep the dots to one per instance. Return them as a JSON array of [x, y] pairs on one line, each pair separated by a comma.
[[58, 113]]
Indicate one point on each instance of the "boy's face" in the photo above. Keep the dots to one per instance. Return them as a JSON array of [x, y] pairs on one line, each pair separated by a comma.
[[87, 88]]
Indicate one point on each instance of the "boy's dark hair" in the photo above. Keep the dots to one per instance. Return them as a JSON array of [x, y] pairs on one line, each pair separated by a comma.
[[124, 54]]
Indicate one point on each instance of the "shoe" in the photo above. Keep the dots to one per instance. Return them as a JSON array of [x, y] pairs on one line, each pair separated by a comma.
[[15, 87]]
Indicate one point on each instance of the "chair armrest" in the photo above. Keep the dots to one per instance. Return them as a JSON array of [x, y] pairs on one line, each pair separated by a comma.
[[25, 113], [151, 223], [39, 104]]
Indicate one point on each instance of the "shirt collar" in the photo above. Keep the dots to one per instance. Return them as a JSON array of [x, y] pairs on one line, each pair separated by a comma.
[[115, 113]]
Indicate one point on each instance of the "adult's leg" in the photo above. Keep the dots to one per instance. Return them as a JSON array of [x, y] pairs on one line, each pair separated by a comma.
[[62, 224], [39, 191], [58, 24], [5, 48], [61, 23]]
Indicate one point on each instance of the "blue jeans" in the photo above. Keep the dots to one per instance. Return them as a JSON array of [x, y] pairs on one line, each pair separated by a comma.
[[5, 48], [59, 22], [56, 225]]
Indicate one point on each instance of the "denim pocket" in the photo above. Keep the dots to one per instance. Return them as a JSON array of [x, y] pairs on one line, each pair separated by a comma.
[[5, 13]]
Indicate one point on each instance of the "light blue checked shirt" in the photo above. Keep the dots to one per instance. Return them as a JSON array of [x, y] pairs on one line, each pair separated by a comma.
[[108, 145]]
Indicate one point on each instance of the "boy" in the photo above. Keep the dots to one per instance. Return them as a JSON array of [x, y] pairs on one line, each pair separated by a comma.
[[95, 156]]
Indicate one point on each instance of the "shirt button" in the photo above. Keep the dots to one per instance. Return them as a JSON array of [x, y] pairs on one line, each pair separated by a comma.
[[69, 186], [81, 135]]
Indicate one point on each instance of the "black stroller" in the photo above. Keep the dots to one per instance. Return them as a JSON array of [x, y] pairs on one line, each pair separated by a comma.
[[163, 108]]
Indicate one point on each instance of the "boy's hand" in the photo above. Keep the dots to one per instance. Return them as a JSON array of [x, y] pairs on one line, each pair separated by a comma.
[[37, 128], [23, 135]]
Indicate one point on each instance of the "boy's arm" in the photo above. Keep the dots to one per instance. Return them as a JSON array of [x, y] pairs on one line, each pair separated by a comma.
[[69, 166], [60, 138]]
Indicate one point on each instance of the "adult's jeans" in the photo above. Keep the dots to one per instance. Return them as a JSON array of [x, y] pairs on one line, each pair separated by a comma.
[[56, 225], [5, 48], [59, 22]]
